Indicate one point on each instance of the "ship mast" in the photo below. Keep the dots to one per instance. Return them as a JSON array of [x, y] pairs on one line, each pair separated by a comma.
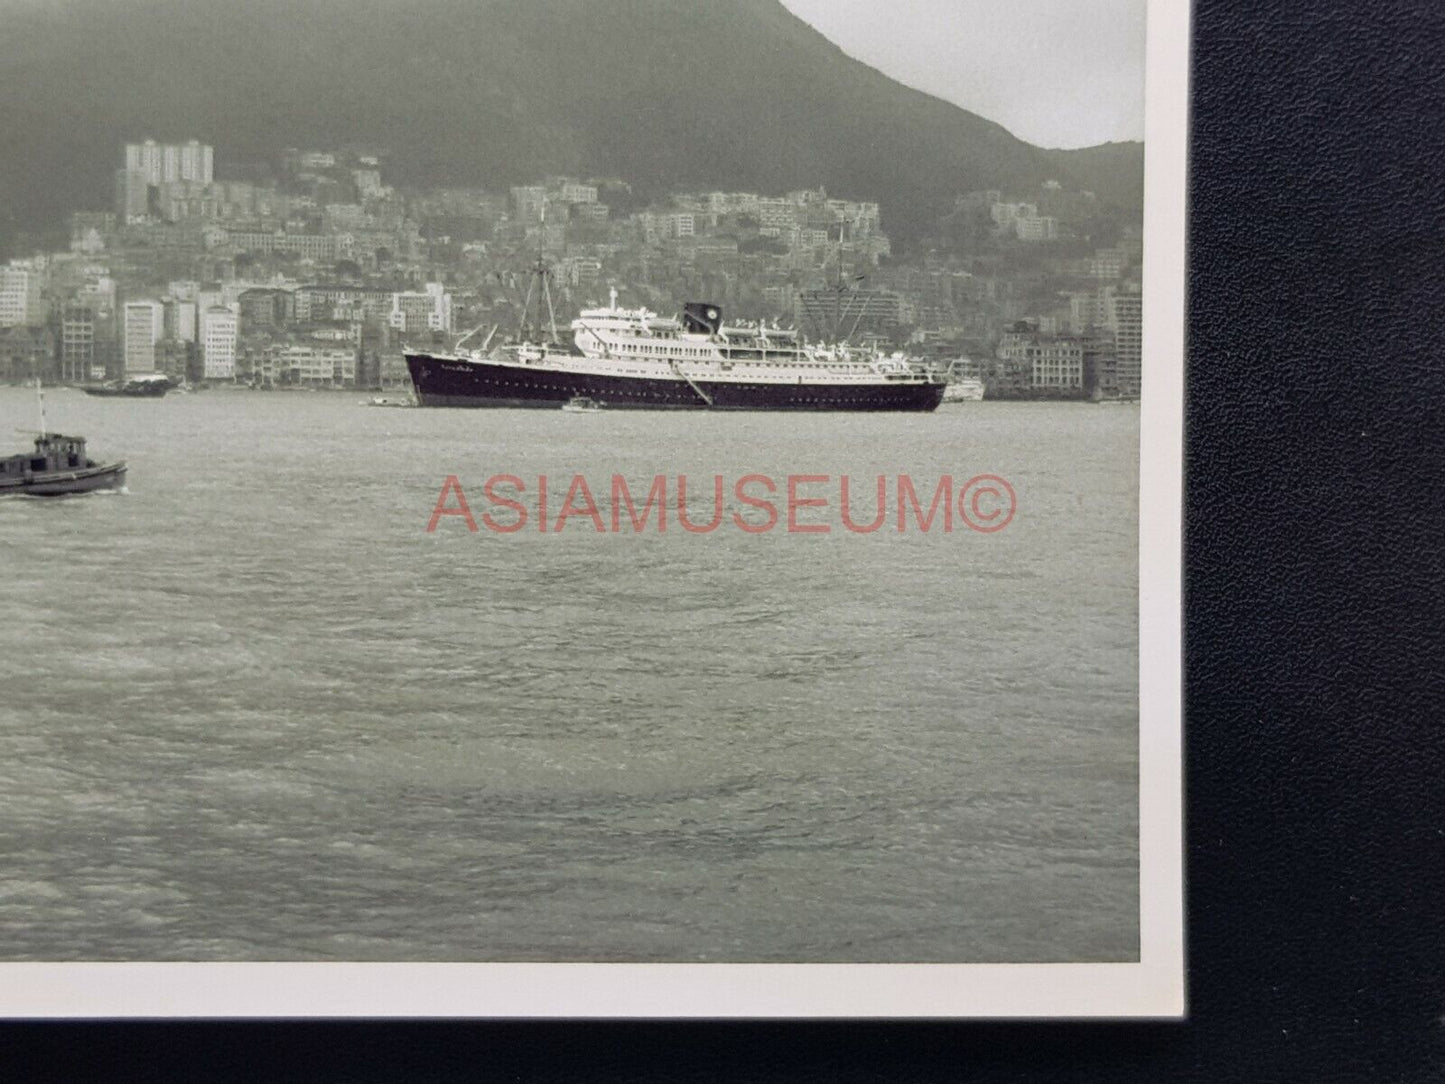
[[540, 272], [40, 400], [838, 309]]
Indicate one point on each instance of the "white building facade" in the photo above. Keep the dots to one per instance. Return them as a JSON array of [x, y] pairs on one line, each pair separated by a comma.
[[220, 329], [142, 327]]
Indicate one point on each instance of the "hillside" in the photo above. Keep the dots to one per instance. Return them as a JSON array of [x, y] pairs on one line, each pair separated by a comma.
[[1113, 171], [665, 93]]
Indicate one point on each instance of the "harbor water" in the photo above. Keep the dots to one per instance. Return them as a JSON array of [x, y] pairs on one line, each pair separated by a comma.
[[251, 709]]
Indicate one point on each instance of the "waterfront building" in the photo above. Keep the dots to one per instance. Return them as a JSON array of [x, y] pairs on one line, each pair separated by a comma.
[[142, 326], [219, 331], [1101, 372], [306, 364], [78, 342], [1055, 363], [1128, 339]]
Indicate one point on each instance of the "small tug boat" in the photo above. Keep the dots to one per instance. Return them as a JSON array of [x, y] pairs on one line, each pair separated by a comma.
[[58, 466], [581, 405], [389, 401]]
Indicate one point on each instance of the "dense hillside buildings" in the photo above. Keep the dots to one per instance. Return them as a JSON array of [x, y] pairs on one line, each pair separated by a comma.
[[284, 273]]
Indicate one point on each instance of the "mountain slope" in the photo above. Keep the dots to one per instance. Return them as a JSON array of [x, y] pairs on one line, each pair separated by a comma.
[[665, 93], [1113, 171]]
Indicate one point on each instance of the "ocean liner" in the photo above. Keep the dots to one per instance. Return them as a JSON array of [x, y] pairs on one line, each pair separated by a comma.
[[633, 358]]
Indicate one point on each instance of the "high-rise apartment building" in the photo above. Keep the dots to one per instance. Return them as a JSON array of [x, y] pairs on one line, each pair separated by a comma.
[[78, 355], [1128, 328], [143, 325], [220, 328], [150, 164], [164, 162]]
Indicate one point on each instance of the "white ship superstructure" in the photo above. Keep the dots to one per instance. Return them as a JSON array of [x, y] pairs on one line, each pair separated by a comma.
[[637, 342]]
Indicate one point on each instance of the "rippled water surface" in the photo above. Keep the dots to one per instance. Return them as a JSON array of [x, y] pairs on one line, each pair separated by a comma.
[[252, 710]]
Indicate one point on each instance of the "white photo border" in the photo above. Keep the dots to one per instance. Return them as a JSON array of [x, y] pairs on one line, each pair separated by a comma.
[[1154, 987]]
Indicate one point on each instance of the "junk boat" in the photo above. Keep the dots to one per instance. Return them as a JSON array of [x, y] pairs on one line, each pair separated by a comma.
[[152, 386]]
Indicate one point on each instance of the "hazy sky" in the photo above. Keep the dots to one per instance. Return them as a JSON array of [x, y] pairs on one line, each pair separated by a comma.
[[1058, 73]]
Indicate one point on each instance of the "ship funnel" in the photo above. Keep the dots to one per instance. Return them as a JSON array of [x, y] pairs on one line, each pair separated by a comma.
[[701, 317]]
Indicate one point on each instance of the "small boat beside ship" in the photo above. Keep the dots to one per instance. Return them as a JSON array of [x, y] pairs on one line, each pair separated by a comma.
[[581, 405], [150, 386], [965, 390], [389, 401]]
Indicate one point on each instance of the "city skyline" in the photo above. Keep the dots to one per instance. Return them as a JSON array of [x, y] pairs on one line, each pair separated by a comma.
[[320, 274]]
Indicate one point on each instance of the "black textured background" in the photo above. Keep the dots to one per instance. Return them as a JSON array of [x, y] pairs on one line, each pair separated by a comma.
[[1316, 721]]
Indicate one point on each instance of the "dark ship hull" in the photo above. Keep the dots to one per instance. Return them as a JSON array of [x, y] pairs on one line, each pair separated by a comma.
[[64, 483], [452, 382], [143, 391]]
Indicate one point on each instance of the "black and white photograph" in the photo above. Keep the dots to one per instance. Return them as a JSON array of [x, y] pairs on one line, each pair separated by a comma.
[[591, 508]]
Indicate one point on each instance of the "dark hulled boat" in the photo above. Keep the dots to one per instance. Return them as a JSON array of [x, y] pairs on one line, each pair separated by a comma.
[[140, 387], [446, 381], [57, 467], [632, 359]]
